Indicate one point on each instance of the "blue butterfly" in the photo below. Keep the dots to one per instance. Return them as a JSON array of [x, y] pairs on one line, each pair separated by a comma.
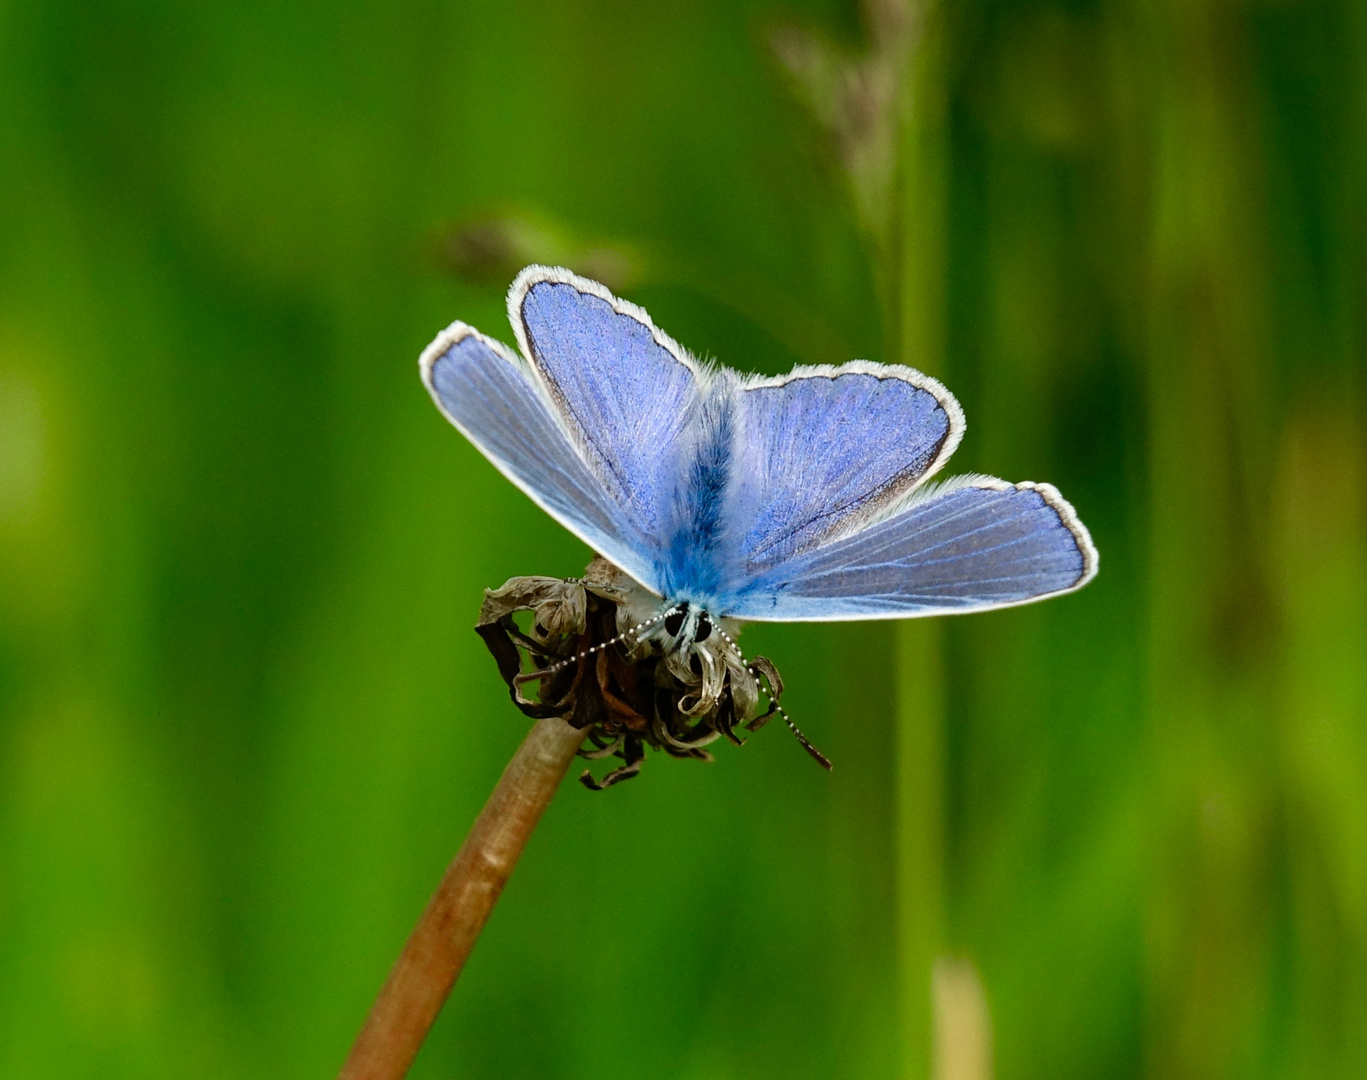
[[799, 498]]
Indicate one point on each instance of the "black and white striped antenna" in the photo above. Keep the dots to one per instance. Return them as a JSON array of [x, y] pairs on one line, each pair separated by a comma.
[[763, 683]]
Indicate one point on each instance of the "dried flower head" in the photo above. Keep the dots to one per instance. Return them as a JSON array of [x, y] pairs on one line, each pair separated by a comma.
[[612, 658]]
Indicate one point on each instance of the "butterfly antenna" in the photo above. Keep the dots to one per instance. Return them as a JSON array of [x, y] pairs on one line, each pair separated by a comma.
[[634, 632], [763, 683]]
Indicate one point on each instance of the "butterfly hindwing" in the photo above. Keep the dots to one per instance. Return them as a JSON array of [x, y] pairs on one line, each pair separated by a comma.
[[824, 450], [974, 544], [626, 393], [492, 397]]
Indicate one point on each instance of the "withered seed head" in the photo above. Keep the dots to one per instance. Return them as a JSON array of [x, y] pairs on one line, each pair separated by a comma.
[[610, 657]]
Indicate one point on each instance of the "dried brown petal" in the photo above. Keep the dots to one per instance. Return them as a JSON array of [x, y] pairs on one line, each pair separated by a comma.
[[592, 663]]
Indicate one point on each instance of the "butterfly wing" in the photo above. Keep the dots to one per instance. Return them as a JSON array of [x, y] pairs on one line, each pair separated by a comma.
[[973, 544], [498, 403], [614, 430], [625, 392], [812, 464]]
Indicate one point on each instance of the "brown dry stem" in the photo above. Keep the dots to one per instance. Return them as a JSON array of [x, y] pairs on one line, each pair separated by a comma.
[[440, 944]]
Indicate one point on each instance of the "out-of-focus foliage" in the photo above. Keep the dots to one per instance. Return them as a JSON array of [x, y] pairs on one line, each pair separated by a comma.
[[244, 721]]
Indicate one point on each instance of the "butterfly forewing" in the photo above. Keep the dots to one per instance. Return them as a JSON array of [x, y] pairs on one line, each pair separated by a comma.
[[975, 544]]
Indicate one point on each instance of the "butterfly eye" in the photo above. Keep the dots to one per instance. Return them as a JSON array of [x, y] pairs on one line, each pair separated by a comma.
[[704, 628], [674, 622]]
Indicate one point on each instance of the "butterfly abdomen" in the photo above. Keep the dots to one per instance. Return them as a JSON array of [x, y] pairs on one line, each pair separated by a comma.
[[692, 567]]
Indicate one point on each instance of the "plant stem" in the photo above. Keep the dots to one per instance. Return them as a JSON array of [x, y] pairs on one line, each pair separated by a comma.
[[437, 949]]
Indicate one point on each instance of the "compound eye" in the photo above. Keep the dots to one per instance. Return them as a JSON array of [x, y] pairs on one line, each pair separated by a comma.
[[674, 622], [704, 628]]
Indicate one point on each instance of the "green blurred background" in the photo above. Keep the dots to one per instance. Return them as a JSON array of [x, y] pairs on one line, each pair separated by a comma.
[[244, 722]]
